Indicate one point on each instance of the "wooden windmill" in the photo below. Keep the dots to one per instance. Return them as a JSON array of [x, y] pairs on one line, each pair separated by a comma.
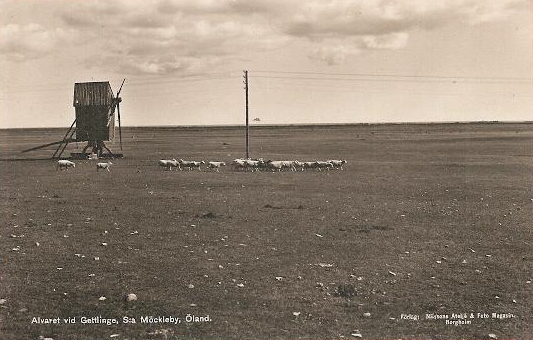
[[95, 105]]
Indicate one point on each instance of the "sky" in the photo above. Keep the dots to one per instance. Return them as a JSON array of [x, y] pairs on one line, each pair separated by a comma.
[[313, 61]]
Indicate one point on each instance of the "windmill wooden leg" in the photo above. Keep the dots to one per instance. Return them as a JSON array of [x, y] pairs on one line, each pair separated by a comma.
[[86, 147], [108, 150]]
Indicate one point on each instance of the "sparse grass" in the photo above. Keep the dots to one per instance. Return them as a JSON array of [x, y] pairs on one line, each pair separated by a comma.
[[409, 197]]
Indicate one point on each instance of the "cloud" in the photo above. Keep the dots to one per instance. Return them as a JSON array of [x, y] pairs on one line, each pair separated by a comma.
[[335, 51], [179, 36], [339, 28], [31, 41], [321, 19]]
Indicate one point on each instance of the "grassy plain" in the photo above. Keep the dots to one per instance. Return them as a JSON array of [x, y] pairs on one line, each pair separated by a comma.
[[425, 219]]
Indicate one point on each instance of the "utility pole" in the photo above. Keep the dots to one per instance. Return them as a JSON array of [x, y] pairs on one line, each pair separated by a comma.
[[247, 124]]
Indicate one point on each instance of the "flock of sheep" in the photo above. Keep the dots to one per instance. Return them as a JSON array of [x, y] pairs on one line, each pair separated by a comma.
[[240, 164], [65, 164]]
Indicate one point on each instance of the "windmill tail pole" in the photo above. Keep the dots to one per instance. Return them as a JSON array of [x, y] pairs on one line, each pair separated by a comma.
[[120, 89], [119, 126]]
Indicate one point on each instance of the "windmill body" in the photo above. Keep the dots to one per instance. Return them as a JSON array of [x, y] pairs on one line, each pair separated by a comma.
[[96, 108]]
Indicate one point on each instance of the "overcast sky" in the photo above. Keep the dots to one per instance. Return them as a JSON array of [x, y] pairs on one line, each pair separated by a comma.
[[314, 61]]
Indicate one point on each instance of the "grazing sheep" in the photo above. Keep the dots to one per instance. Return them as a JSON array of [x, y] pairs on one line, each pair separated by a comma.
[[323, 165], [191, 164], [215, 165], [288, 165], [337, 164], [169, 163], [298, 165], [252, 164], [274, 165], [240, 164], [63, 163], [309, 165], [103, 166]]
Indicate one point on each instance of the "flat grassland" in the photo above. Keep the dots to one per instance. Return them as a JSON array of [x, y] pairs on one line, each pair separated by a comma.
[[425, 219]]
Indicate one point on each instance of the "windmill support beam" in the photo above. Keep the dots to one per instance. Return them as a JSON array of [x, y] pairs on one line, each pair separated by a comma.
[[64, 144], [70, 130]]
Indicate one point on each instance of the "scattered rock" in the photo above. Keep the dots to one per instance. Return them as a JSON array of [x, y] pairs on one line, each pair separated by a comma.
[[367, 315], [104, 244], [392, 273], [131, 297], [325, 265], [493, 336], [2, 301], [279, 278], [356, 334], [37, 244], [190, 286], [240, 285], [102, 298], [44, 338], [318, 235], [296, 313]]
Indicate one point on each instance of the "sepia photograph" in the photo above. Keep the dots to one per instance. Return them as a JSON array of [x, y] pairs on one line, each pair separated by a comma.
[[266, 169]]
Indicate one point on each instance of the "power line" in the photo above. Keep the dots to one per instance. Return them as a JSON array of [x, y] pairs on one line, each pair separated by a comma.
[[395, 75], [133, 83], [449, 81]]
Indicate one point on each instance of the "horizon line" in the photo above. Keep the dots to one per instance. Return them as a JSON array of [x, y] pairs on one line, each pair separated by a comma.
[[301, 124]]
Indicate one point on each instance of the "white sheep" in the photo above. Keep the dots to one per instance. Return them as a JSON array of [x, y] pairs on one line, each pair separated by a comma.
[[63, 163], [309, 165], [337, 164], [323, 165], [239, 164], [169, 163], [103, 166], [274, 165], [191, 164], [215, 165]]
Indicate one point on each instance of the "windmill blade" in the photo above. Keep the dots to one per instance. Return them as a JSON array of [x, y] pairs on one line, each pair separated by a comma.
[[120, 89], [119, 126], [49, 144]]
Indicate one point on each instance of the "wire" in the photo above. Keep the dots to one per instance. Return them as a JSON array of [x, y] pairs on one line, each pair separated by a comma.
[[392, 80], [392, 75]]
